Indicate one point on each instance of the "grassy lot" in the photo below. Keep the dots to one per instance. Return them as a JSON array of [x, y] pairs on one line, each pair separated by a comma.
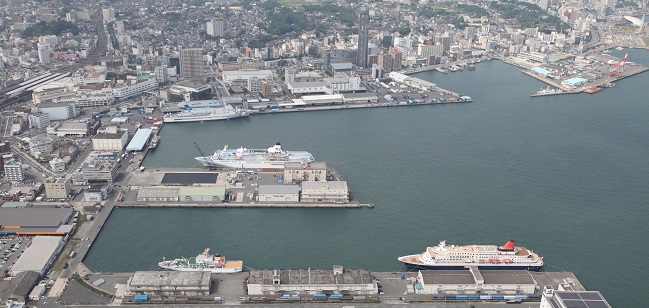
[[646, 40], [65, 254]]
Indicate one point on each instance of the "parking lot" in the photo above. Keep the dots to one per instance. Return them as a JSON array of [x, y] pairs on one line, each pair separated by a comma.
[[11, 248]]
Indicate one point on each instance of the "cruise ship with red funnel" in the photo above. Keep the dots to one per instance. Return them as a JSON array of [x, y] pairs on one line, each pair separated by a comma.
[[446, 257]]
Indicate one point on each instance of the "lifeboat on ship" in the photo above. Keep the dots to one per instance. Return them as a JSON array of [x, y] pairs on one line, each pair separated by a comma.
[[508, 261]]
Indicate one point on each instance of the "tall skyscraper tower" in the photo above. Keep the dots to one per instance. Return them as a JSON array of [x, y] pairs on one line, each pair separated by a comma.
[[363, 24], [191, 64]]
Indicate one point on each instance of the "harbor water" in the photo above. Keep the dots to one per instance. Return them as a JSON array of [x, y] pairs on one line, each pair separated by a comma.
[[564, 175]]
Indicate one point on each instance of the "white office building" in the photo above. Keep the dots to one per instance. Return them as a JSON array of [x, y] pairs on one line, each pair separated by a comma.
[[44, 53]]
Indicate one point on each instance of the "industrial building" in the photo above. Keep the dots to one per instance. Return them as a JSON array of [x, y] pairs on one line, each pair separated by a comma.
[[296, 172], [170, 283], [58, 188], [311, 281], [35, 221], [110, 142], [40, 255], [211, 193], [158, 194], [214, 193], [327, 192], [19, 287], [72, 128], [139, 140], [242, 77], [99, 171], [475, 281], [278, 193]]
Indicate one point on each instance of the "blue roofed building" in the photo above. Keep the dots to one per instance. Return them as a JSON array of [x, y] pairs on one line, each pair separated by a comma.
[[139, 140], [573, 82], [542, 72]]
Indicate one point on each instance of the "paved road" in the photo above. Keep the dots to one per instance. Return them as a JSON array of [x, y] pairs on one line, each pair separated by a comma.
[[350, 304]]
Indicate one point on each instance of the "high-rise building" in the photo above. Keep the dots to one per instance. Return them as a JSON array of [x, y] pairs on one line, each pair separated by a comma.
[[108, 14], [470, 33], [44, 53], [363, 24], [14, 171], [215, 28], [191, 64]]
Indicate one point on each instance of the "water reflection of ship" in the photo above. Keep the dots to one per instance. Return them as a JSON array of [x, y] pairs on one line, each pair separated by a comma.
[[547, 91]]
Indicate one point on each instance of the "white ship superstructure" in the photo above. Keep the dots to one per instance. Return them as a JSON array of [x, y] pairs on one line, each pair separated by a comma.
[[482, 256], [206, 114], [274, 157], [205, 262]]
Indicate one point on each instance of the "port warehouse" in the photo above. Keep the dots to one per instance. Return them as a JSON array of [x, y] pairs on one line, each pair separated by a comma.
[[307, 191], [474, 281], [35, 221], [213, 193], [139, 140], [312, 281], [39, 256], [169, 283]]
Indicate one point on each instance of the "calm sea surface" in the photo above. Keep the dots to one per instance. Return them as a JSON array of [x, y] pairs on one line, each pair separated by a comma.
[[566, 176]]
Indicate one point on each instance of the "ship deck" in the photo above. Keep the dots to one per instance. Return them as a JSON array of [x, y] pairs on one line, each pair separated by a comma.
[[233, 264]]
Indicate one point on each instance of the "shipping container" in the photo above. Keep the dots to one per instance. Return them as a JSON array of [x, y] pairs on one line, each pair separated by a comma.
[[320, 295], [359, 298], [140, 298]]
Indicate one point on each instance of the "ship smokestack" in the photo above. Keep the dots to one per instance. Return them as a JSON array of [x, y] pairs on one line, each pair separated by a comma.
[[508, 247]]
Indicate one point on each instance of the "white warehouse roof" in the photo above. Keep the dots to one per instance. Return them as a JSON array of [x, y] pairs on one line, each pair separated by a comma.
[[37, 255], [139, 140]]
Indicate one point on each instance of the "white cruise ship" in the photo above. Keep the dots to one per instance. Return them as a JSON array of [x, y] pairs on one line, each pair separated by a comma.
[[481, 256], [274, 157], [203, 262], [206, 114]]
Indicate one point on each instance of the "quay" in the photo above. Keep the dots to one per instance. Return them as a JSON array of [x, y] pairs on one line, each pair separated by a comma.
[[232, 188], [381, 287], [599, 72]]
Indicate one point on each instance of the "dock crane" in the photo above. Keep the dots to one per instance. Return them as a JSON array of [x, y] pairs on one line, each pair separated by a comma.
[[199, 149], [617, 68]]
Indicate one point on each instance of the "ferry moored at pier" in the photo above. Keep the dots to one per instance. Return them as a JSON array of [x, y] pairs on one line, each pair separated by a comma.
[[204, 262], [274, 157], [482, 256]]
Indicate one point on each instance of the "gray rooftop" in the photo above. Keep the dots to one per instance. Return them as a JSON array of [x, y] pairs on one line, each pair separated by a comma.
[[320, 185], [29, 217], [110, 136], [578, 299], [507, 277], [171, 278], [298, 165], [279, 189], [447, 277], [311, 277], [37, 254], [159, 191], [21, 285]]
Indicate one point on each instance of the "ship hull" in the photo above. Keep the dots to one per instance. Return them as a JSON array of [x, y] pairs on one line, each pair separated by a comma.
[[534, 268], [201, 118], [209, 162], [222, 270]]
